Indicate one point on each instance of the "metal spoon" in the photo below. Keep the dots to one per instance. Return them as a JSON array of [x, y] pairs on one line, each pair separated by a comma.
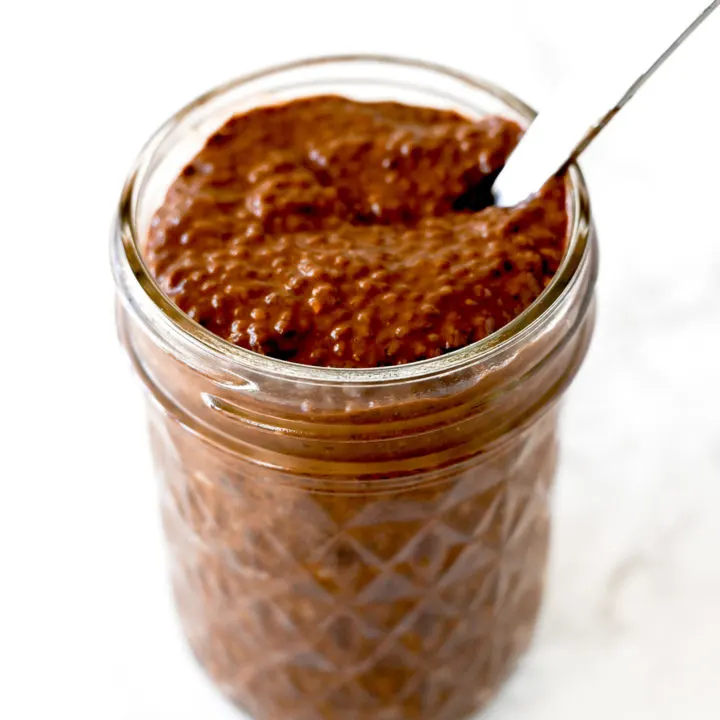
[[559, 134]]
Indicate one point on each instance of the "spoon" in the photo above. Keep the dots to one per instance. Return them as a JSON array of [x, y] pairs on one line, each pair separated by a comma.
[[559, 134]]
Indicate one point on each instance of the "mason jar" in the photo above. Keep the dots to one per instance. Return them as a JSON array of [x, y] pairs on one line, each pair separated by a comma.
[[352, 544]]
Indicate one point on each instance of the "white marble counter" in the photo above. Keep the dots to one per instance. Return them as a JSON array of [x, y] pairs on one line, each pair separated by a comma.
[[631, 628]]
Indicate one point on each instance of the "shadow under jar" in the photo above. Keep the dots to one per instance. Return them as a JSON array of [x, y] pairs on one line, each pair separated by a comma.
[[363, 543]]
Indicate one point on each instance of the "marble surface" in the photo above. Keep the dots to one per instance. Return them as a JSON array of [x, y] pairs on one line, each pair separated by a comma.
[[631, 628]]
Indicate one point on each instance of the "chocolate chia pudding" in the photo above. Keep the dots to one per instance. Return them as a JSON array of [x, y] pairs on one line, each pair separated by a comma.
[[354, 533], [345, 234]]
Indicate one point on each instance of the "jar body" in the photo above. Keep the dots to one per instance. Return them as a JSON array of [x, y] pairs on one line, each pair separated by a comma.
[[407, 603], [347, 546]]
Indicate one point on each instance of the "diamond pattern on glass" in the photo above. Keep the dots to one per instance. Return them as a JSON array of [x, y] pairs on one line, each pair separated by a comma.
[[412, 604]]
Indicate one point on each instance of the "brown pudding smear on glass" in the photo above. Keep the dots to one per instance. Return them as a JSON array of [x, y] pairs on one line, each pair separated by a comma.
[[344, 234]]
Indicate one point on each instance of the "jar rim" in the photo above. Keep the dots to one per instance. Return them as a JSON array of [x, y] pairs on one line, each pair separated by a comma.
[[145, 297]]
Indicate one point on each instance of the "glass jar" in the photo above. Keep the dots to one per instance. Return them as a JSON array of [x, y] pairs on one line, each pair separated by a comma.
[[352, 544]]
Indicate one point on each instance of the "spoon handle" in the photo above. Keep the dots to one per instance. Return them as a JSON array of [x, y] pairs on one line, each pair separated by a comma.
[[605, 119], [540, 155]]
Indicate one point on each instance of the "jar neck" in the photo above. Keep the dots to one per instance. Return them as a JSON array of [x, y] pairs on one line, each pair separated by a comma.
[[283, 422]]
